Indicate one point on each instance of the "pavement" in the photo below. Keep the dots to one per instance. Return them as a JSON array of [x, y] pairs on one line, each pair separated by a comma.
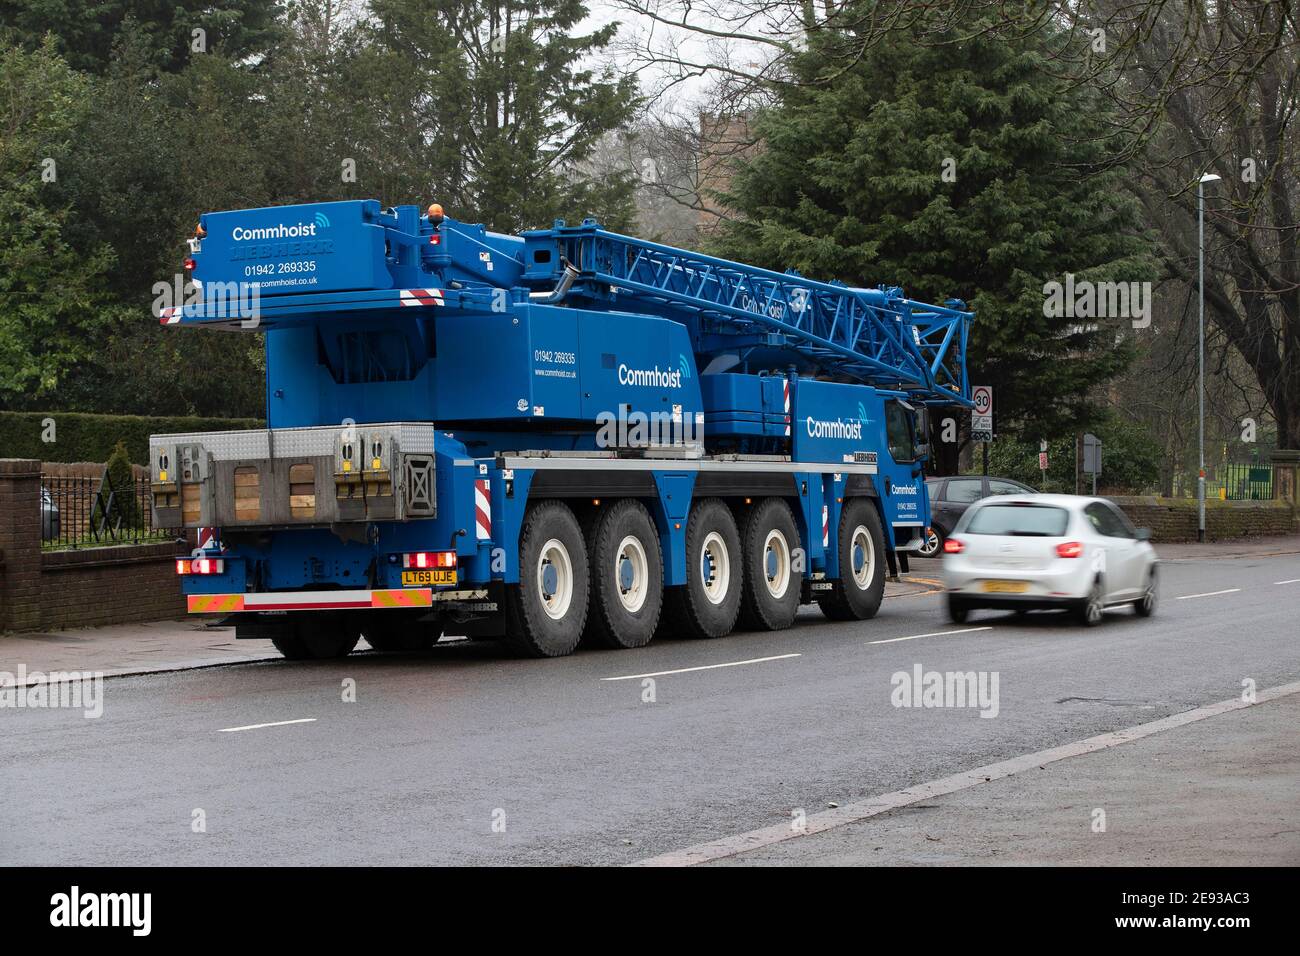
[[1229, 548], [125, 649], [465, 755]]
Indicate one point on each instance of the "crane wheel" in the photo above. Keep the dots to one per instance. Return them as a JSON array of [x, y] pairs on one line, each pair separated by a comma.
[[769, 541], [547, 609], [317, 636], [627, 576], [856, 596], [709, 602]]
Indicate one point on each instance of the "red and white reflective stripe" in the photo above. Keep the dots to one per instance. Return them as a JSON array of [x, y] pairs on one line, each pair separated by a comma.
[[826, 526], [483, 507], [210, 539], [309, 600], [170, 315], [422, 297], [785, 384], [320, 600]]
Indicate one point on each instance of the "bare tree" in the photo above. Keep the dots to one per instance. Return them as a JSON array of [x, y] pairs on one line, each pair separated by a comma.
[[1198, 85]]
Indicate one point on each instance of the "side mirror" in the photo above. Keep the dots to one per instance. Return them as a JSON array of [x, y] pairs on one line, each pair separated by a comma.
[[1143, 534]]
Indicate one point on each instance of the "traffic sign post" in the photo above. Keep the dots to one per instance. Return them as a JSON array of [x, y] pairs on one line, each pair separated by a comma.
[[981, 418], [1092, 458]]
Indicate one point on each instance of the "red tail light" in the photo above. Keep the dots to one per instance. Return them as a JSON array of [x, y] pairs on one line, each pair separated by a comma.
[[953, 546], [429, 559], [200, 566], [190, 264], [1069, 549]]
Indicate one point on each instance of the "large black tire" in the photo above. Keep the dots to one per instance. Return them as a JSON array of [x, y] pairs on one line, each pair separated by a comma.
[[856, 596], [769, 540], [627, 576], [393, 632], [708, 604], [317, 635], [958, 612], [547, 609]]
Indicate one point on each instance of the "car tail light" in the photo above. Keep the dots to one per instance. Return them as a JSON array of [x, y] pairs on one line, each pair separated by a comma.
[[429, 559], [200, 566], [1069, 549], [953, 546]]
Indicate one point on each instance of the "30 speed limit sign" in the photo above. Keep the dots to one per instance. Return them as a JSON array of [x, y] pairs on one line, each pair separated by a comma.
[[981, 416]]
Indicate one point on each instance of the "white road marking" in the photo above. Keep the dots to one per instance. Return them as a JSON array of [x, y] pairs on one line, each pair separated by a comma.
[[1188, 597], [854, 812], [278, 723], [1291, 581], [964, 630], [706, 667]]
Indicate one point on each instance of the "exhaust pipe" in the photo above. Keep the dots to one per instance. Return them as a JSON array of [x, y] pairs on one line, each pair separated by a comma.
[[561, 289]]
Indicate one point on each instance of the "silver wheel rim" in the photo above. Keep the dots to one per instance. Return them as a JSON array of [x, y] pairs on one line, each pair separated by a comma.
[[556, 592], [631, 554], [931, 545], [715, 568], [861, 539], [1149, 598], [776, 563]]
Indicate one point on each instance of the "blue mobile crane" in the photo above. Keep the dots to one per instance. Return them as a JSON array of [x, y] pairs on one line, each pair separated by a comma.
[[551, 437]]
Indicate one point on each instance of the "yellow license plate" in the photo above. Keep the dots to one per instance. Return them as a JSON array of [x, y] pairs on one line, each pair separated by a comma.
[[1006, 587], [428, 578]]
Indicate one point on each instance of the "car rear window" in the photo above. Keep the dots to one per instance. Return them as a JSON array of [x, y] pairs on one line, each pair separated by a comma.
[[1034, 520]]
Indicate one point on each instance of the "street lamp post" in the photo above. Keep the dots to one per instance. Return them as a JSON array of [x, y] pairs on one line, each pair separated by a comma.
[[1200, 351]]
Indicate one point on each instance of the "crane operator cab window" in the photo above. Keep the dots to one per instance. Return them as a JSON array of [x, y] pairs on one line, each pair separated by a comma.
[[900, 432]]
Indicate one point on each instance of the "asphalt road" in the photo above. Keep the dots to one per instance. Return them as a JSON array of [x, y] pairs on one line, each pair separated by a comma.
[[464, 755]]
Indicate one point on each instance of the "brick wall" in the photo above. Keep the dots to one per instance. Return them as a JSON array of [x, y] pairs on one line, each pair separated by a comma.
[[20, 544], [83, 588], [1175, 519], [96, 586]]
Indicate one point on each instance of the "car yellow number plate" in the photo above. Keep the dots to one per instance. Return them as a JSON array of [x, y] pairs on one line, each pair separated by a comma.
[[428, 578], [1006, 587]]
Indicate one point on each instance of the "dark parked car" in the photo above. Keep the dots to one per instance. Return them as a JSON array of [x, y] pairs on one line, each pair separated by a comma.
[[49, 516], [950, 497]]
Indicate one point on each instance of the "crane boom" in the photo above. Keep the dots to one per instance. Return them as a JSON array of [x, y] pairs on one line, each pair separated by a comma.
[[875, 336]]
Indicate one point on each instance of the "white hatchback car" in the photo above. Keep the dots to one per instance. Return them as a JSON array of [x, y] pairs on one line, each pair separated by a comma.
[[1048, 551]]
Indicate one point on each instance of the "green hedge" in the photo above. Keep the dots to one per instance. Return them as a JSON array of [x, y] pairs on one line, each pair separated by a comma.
[[82, 436]]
